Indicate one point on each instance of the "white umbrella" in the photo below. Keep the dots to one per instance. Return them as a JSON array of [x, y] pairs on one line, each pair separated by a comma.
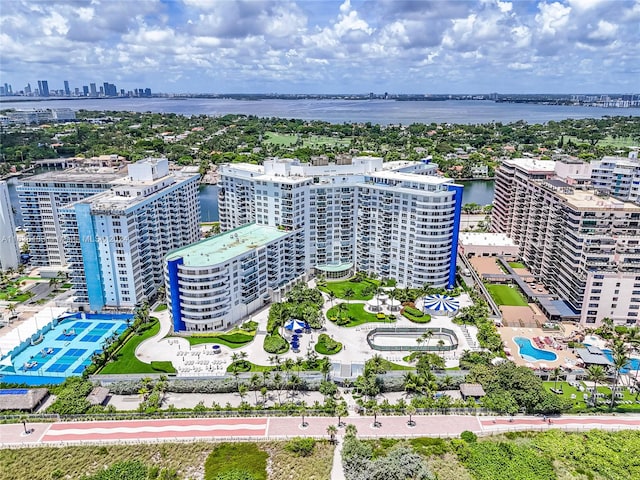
[[441, 303]]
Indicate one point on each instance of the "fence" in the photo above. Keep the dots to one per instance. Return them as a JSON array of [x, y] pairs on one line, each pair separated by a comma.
[[424, 348]]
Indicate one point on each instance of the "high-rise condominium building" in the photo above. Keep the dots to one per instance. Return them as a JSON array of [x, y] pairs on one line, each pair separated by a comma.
[[41, 197], [9, 250], [618, 176], [395, 219], [216, 282], [116, 240], [584, 246], [286, 219]]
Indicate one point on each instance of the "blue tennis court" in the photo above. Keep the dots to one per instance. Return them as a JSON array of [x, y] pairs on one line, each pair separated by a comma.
[[66, 360], [65, 349]]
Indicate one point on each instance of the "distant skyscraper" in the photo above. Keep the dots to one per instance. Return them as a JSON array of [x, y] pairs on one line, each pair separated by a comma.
[[27, 89], [147, 92], [67, 90], [44, 91], [94, 92], [85, 90], [39, 87]]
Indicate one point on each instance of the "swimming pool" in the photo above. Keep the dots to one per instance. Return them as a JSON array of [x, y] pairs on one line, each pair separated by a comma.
[[532, 354], [634, 363], [65, 350]]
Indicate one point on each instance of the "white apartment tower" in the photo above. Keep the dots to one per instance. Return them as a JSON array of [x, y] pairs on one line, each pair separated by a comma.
[[9, 250], [116, 240], [42, 196], [618, 177], [395, 219]]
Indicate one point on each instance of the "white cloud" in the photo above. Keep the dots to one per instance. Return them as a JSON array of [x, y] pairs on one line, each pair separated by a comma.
[[324, 45], [552, 17]]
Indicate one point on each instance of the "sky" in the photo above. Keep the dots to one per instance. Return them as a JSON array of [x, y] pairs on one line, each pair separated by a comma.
[[309, 46]]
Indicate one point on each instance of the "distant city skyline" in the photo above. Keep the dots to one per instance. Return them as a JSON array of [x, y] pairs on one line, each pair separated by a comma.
[[198, 46]]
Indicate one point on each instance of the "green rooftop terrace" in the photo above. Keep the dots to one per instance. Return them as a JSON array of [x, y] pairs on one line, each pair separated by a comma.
[[227, 245]]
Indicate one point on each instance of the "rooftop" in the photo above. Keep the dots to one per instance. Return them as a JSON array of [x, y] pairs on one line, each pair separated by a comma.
[[223, 247], [22, 399], [76, 175], [532, 165], [592, 356], [471, 390], [588, 200], [485, 239]]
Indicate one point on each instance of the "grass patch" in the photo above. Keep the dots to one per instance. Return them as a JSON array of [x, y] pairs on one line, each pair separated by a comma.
[[45, 463], [126, 361], [363, 290], [253, 367], [355, 313], [517, 265], [236, 457], [506, 295], [233, 339], [284, 465], [160, 308], [327, 345], [285, 140], [580, 405]]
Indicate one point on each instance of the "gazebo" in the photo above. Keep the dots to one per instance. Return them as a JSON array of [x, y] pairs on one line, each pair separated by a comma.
[[440, 305]]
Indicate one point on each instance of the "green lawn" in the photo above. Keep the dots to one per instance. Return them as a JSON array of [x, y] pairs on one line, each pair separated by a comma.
[[280, 139], [506, 295], [579, 404], [160, 308], [228, 458], [356, 312], [363, 290], [232, 339], [126, 361], [517, 265], [608, 141]]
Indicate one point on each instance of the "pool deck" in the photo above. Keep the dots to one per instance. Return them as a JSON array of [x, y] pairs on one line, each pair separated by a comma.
[[565, 357]]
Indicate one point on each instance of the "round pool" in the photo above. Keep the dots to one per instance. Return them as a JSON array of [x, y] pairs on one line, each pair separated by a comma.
[[532, 354]]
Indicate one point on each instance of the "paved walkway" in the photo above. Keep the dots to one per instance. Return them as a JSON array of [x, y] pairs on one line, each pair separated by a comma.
[[198, 360], [286, 427]]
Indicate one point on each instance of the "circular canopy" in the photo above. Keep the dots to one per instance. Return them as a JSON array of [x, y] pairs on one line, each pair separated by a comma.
[[441, 303], [294, 324]]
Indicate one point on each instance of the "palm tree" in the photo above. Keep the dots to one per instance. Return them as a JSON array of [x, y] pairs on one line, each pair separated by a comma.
[[349, 293], [325, 368], [277, 380], [254, 381], [303, 412], [620, 360], [332, 297], [596, 375], [426, 336], [331, 431], [411, 411], [375, 409], [341, 411], [351, 430], [556, 374], [242, 391], [440, 347]]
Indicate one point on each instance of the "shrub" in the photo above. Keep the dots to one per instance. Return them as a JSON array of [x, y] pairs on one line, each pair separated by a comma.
[[413, 311], [275, 344], [229, 461], [469, 437], [249, 326], [301, 446], [327, 345], [381, 316]]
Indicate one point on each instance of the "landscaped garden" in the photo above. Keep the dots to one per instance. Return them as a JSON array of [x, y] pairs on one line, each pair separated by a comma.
[[357, 288], [506, 295], [354, 314], [125, 360], [233, 339], [327, 345], [517, 265], [415, 315]]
